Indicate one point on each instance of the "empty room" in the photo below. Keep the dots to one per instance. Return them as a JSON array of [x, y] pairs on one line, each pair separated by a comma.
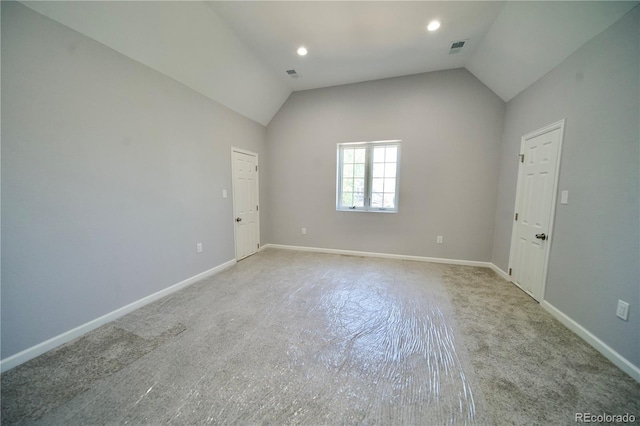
[[320, 212]]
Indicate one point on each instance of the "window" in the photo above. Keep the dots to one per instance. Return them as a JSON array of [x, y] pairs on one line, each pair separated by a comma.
[[368, 176]]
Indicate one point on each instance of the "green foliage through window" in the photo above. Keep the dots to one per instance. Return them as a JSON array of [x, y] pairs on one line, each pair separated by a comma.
[[368, 176]]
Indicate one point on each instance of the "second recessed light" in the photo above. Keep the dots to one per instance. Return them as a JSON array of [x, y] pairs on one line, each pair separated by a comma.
[[302, 51], [433, 25]]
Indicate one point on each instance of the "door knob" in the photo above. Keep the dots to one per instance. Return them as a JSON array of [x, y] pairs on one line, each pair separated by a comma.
[[541, 237], [238, 219]]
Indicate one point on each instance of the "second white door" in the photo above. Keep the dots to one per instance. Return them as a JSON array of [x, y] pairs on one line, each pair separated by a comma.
[[535, 206], [245, 202]]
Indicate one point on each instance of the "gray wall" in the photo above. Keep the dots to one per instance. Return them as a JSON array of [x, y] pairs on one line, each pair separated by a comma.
[[450, 125], [111, 173], [595, 251]]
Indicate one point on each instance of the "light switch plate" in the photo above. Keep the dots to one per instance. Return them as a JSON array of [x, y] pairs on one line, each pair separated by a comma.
[[564, 197], [623, 310], [224, 193]]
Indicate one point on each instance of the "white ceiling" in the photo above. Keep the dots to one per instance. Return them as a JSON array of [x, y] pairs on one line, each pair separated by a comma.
[[510, 44], [357, 41], [237, 52]]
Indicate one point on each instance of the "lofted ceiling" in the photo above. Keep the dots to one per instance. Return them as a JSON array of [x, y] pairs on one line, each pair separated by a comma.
[[238, 52], [357, 41]]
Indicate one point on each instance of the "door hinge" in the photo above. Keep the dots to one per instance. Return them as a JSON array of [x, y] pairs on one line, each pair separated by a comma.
[[258, 245], [516, 216], [521, 157], [256, 168], [256, 208], [509, 271]]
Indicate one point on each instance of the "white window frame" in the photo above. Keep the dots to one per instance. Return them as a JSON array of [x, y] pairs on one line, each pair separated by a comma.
[[368, 176]]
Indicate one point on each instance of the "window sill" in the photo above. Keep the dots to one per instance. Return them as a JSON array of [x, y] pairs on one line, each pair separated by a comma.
[[366, 211]]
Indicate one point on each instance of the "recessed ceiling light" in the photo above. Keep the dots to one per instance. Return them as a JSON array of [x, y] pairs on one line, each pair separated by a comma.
[[433, 25], [302, 51]]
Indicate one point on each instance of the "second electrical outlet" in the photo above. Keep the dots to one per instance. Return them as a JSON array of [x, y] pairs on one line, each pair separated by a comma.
[[304, 231], [439, 239]]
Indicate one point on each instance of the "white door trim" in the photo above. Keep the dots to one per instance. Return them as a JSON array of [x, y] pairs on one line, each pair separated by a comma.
[[233, 194], [550, 128]]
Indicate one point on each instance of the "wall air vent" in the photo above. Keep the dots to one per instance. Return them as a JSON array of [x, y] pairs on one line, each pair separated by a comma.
[[456, 46], [292, 73]]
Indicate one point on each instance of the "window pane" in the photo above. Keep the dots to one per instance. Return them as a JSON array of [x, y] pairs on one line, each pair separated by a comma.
[[390, 170], [348, 155], [370, 166], [378, 155], [389, 200], [358, 199], [389, 185], [358, 185], [376, 199], [378, 185], [378, 170], [392, 154]]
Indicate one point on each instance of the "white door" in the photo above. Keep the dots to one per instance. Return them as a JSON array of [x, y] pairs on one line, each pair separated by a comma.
[[245, 202], [535, 207]]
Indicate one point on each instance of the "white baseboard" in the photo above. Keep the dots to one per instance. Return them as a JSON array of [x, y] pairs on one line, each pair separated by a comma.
[[382, 255], [500, 272], [490, 265], [32, 352], [613, 356]]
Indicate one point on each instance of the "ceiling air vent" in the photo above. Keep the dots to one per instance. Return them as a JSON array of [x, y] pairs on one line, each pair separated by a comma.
[[456, 46], [292, 73]]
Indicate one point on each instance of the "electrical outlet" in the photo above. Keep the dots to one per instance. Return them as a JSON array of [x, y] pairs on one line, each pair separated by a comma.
[[623, 310], [439, 239], [199, 247], [304, 231]]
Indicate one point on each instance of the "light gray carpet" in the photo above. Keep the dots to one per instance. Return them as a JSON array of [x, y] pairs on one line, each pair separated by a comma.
[[301, 338], [534, 369], [46, 382]]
